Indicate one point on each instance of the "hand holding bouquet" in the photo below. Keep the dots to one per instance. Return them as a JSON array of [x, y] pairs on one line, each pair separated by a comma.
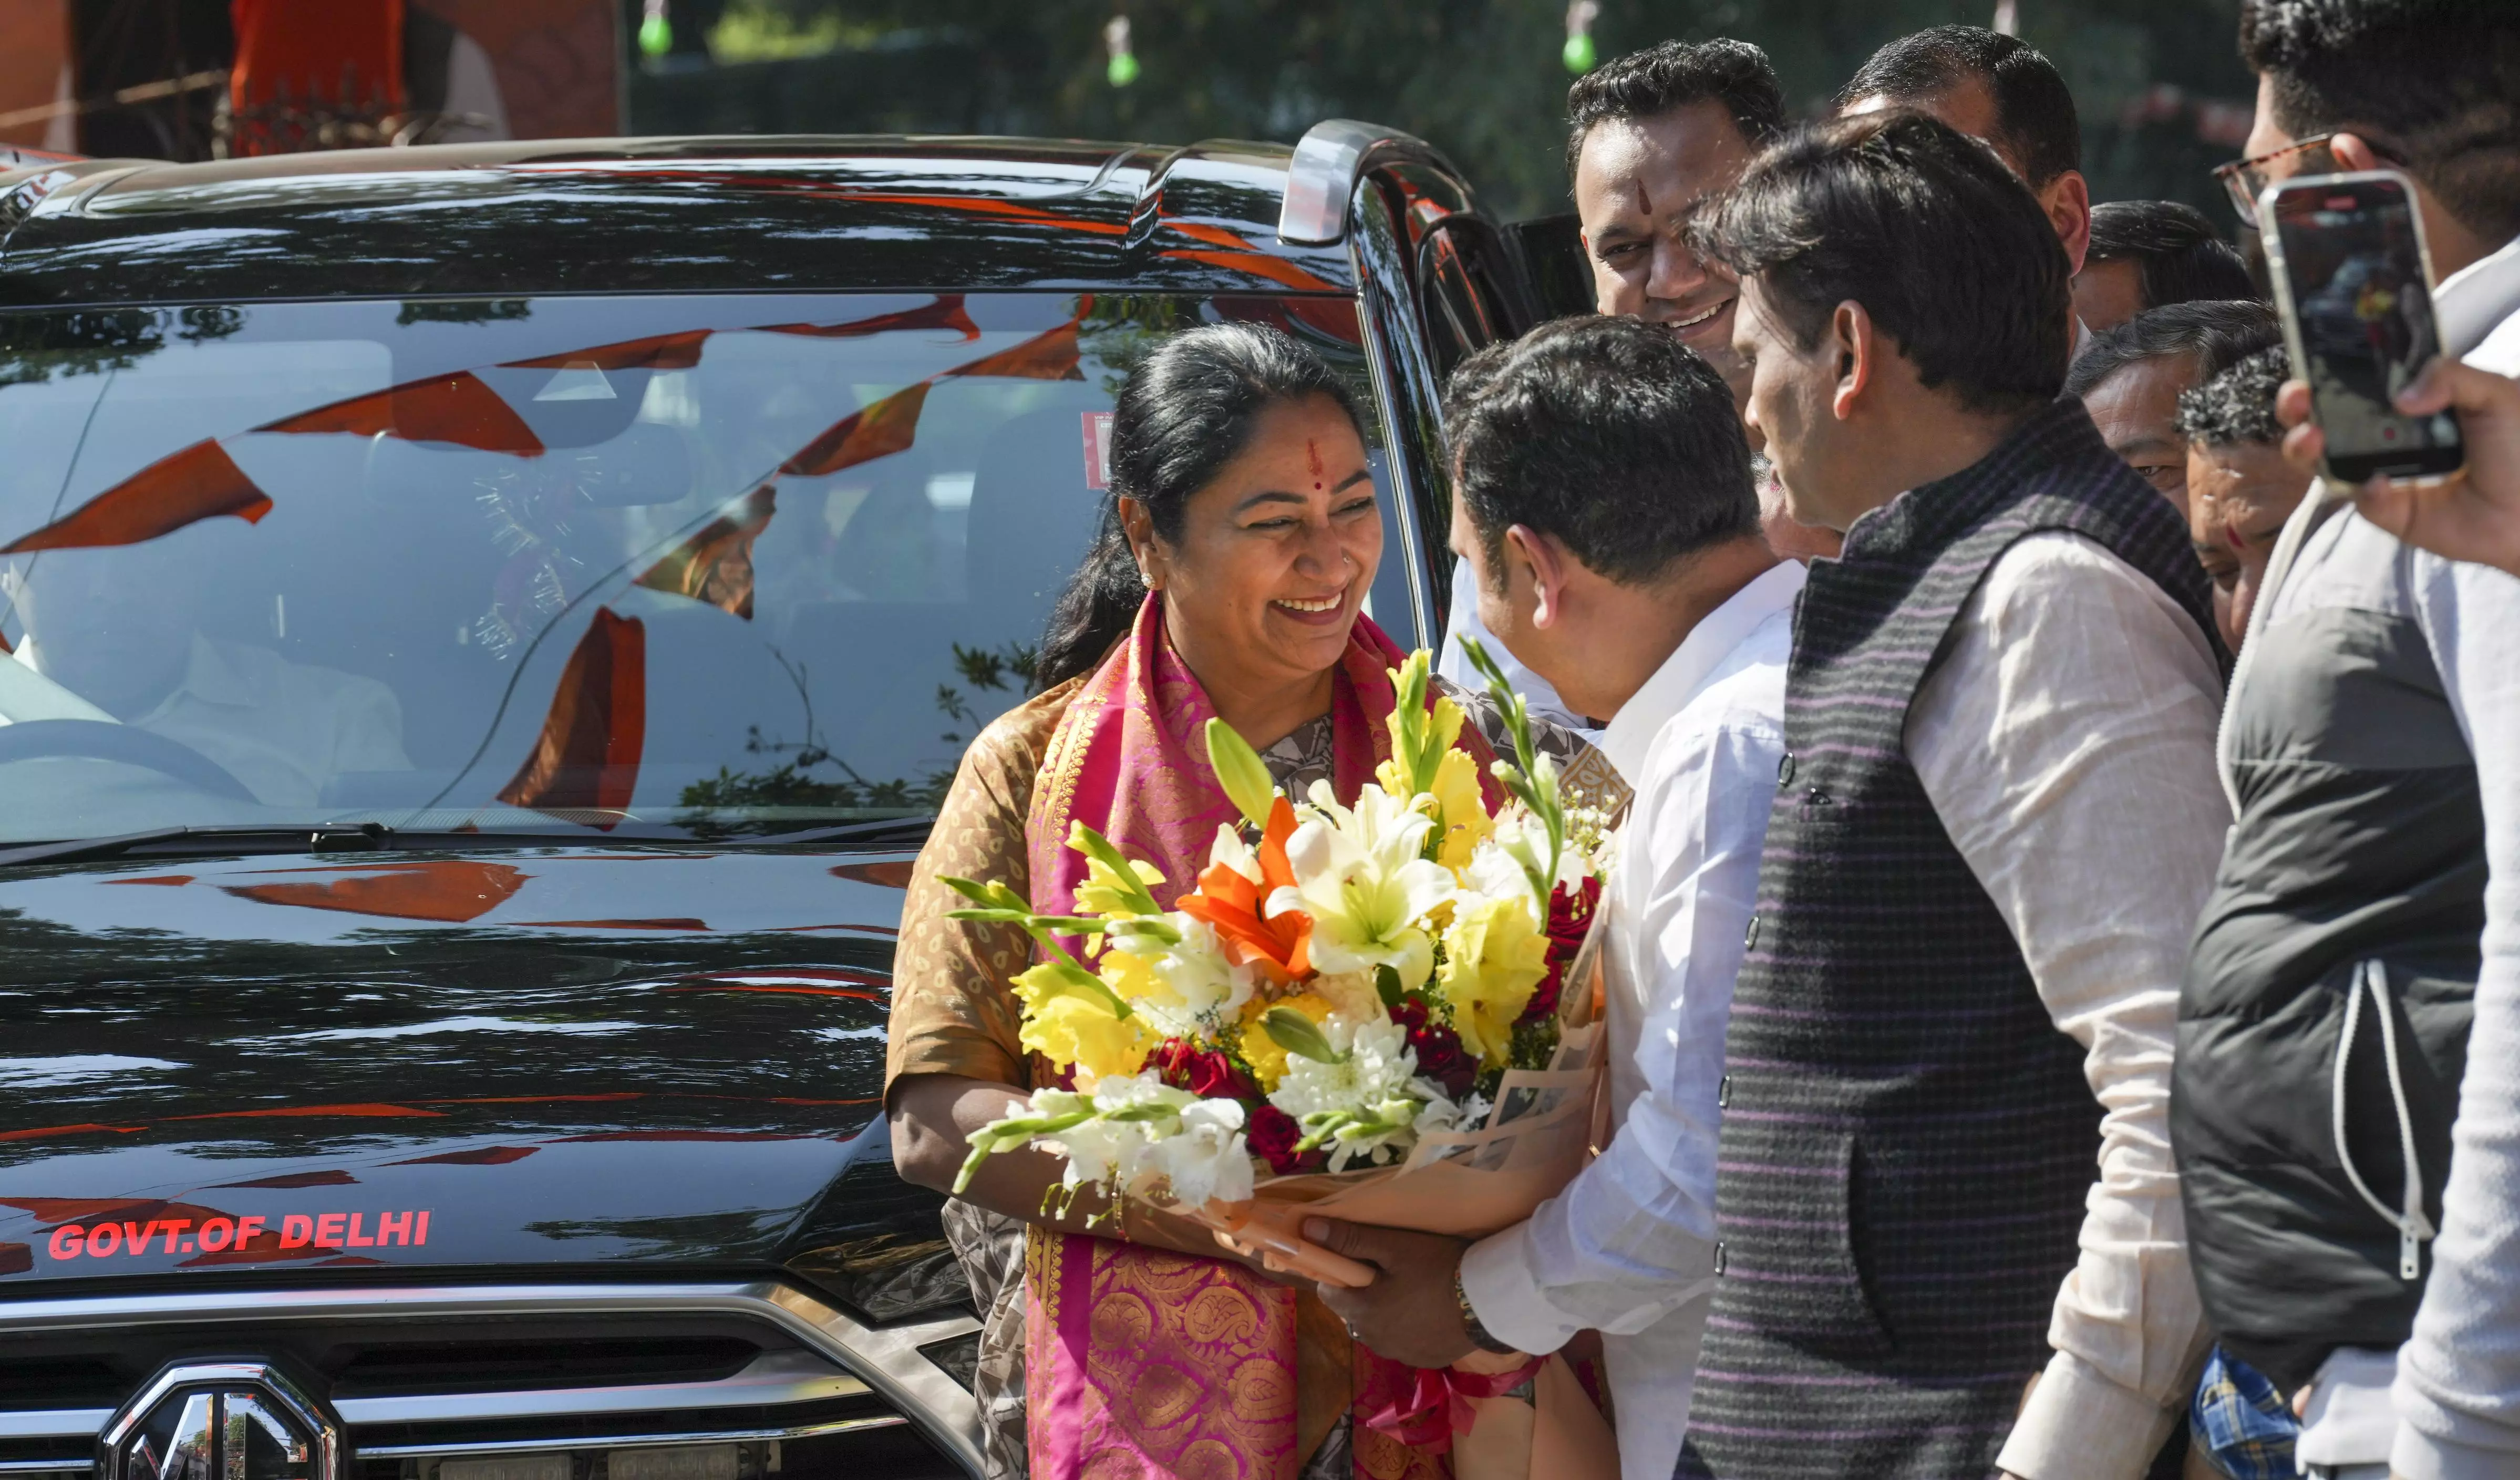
[[1344, 990]]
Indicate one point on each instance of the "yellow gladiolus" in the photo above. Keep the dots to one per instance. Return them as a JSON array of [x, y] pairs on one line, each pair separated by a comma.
[[1494, 958], [1106, 893], [1068, 1026], [1268, 1061], [1132, 979], [1466, 818]]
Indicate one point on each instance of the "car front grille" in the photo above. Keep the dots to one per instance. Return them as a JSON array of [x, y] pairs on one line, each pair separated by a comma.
[[737, 1381]]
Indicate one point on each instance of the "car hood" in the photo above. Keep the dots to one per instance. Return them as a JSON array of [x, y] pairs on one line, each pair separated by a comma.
[[543, 1057]]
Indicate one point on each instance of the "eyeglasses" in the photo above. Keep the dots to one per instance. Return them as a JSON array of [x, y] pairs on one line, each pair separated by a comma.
[[2244, 180]]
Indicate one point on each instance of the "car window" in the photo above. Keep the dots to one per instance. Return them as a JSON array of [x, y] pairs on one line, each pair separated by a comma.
[[705, 564]]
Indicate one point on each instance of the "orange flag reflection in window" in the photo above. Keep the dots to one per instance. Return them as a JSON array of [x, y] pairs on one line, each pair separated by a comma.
[[947, 312], [663, 351], [450, 408], [715, 565], [586, 758], [200, 482], [892, 425]]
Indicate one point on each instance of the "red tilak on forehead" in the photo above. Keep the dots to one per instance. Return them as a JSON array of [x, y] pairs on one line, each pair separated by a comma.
[[1312, 457]]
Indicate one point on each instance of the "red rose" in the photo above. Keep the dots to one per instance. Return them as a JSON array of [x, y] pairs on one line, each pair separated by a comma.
[[1271, 1134], [1440, 1054], [1204, 1072], [1570, 920]]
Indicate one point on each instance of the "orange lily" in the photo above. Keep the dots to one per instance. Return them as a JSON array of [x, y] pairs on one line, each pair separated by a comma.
[[1232, 905]]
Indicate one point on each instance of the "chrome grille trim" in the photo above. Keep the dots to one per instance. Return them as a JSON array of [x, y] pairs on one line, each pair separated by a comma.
[[773, 1377], [887, 1360], [630, 1441], [48, 1467], [80, 1423]]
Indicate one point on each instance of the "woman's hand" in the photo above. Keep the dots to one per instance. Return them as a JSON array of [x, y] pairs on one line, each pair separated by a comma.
[[2472, 514]]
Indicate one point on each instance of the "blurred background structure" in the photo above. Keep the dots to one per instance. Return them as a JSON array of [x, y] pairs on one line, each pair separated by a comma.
[[2162, 91]]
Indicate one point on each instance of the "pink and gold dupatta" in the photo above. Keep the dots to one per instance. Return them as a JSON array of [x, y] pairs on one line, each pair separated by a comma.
[[1141, 1363]]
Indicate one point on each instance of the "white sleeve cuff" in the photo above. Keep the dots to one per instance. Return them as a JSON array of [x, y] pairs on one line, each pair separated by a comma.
[[2081, 1425], [1497, 1275]]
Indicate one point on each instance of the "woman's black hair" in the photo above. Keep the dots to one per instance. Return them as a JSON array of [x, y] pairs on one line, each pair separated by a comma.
[[1185, 412]]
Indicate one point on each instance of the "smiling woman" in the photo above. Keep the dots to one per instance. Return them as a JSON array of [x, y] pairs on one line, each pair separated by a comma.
[[1229, 582]]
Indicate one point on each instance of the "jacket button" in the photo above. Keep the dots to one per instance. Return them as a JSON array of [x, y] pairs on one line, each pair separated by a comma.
[[1719, 1256], [1785, 770], [1750, 938], [1724, 1093], [1815, 798]]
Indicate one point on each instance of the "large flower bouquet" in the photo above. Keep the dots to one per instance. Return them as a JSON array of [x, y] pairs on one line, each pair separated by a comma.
[[1348, 995]]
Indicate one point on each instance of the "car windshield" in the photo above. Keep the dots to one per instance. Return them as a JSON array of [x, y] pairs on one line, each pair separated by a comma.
[[699, 565]]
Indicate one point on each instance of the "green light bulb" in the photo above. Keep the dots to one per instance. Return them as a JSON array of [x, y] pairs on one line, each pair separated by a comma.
[[1578, 55], [1124, 70], [655, 35]]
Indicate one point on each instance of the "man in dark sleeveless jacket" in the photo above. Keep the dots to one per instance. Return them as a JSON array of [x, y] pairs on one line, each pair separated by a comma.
[[1944, 1169]]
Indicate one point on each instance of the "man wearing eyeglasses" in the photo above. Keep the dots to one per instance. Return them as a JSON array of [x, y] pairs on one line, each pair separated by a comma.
[[2369, 896]]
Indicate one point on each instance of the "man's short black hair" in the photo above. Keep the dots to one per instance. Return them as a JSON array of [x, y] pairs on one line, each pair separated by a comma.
[[1926, 228], [2179, 257], [2237, 404], [2218, 334], [1609, 435], [2035, 123], [1649, 83], [2435, 82]]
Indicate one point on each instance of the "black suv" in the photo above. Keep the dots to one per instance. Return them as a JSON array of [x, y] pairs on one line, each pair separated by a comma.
[[488, 626]]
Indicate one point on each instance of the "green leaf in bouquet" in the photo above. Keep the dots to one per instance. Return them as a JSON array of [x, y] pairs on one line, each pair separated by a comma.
[[1241, 771], [1298, 1035], [1532, 778], [1122, 879], [1387, 985], [1012, 1134]]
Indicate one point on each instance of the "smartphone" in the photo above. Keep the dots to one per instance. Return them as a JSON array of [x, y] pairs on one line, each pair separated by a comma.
[[2354, 288]]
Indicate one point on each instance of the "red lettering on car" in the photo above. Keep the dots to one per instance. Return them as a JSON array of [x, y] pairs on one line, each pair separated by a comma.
[[328, 1229], [420, 1234], [296, 1230], [222, 1228], [136, 1236], [356, 1241], [105, 1239], [393, 1227], [248, 1226], [69, 1242]]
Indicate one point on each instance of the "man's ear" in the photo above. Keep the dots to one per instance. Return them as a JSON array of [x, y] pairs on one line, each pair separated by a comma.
[[2067, 200], [1140, 527], [1536, 558], [1858, 347], [2355, 153]]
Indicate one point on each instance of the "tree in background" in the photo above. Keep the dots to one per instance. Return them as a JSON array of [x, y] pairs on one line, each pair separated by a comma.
[[1482, 79]]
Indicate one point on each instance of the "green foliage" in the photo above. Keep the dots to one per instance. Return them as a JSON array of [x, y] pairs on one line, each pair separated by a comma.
[[1485, 80]]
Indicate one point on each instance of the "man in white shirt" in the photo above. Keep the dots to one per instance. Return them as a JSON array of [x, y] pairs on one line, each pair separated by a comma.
[[115, 628], [1649, 136], [1944, 1170], [1605, 513]]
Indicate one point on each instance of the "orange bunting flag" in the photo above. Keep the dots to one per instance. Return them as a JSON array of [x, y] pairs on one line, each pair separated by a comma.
[[200, 482], [663, 351], [1049, 356], [879, 431], [452, 408], [947, 312], [715, 565], [587, 759]]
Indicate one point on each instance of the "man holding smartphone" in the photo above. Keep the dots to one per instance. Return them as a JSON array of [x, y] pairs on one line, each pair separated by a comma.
[[2369, 897]]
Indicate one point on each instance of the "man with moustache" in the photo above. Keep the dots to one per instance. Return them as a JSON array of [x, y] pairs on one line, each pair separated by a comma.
[[1943, 1169], [2131, 377], [1649, 136]]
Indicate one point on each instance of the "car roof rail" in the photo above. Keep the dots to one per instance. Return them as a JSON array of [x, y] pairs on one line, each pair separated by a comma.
[[1321, 178]]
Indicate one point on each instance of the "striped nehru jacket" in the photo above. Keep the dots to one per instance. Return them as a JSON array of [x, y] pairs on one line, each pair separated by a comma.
[[1907, 1137]]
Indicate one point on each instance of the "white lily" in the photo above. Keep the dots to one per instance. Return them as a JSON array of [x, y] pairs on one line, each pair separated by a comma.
[[1358, 876], [1210, 985], [1205, 1158]]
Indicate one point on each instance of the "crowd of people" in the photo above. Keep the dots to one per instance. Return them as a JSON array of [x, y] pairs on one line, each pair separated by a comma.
[[2063, 950]]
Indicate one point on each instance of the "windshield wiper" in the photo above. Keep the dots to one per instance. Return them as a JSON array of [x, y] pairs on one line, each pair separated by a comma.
[[877, 836]]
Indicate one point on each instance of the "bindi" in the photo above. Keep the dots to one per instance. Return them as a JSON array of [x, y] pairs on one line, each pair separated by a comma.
[[1313, 459]]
